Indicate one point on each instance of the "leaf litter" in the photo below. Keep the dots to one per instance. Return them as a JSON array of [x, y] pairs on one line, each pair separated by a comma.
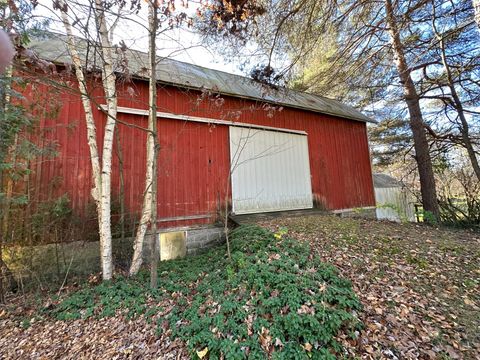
[[419, 285]]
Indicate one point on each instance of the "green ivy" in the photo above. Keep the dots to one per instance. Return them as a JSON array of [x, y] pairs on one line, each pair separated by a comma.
[[272, 299], [271, 279]]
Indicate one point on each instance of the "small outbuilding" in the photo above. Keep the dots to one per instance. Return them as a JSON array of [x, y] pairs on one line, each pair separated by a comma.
[[393, 201]]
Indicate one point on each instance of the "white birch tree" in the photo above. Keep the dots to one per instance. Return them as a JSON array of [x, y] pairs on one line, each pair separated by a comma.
[[152, 100], [101, 170], [149, 213], [109, 87], [159, 14]]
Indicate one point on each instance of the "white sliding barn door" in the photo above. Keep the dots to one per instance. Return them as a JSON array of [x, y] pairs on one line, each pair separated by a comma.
[[270, 171]]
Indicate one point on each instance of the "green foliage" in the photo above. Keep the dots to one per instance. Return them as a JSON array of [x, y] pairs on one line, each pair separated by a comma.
[[429, 217], [390, 139], [17, 153], [13, 119], [103, 300], [53, 220], [270, 287], [458, 190], [25, 324], [272, 297], [56, 210], [401, 213], [19, 18]]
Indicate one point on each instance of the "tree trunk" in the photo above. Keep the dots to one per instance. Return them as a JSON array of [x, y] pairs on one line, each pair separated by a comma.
[[146, 215], [99, 174], [109, 86], [422, 150], [464, 127], [2, 287], [153, 25], [121, 194], [11, 155], [149, 207]]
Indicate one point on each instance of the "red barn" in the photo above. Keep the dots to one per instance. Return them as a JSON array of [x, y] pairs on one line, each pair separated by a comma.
[[285, 149]]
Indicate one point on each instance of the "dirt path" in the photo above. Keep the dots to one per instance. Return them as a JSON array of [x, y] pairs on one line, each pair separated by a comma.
[[420, 286]]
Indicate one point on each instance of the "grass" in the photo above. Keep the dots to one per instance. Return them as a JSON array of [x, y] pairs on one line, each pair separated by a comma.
[[274, 298]]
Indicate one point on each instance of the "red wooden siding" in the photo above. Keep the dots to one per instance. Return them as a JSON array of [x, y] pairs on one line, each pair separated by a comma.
[[194, 157]]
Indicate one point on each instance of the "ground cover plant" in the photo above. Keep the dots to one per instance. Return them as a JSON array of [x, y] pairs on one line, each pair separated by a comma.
[[419, 284], [273, 299]]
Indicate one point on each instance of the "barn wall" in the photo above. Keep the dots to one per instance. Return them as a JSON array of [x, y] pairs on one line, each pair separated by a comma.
[[194, 157]]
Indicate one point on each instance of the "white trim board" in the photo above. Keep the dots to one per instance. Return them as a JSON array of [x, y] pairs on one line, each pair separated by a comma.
[[360, 208], [166, 115]]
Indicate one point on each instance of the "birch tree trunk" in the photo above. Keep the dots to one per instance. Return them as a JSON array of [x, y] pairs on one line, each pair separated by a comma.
[[100, 174], [149, 207], [422, 150], [109, 86], [152, 100], [146, 214]]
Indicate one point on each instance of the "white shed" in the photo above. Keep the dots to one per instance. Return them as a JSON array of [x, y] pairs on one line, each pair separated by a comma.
[[392, 199]]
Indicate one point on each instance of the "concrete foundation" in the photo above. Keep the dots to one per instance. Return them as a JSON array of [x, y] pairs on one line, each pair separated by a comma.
[[201, 239], [178, 243], [365, 213]]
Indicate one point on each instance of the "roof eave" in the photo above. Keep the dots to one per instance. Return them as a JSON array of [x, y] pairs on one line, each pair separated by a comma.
[[364, 119]]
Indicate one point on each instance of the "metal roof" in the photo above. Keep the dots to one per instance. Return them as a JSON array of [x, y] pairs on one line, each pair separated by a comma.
[[52, 47], [385, 181]]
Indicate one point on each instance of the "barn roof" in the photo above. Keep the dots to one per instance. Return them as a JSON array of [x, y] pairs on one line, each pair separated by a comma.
[[52, 47], [385, 181]]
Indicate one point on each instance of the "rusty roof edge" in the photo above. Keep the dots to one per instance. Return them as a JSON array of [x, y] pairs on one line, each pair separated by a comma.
[[286, 91], [364, 118], [279, 97]]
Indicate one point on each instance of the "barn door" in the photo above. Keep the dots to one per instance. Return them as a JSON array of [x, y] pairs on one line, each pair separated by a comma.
[[270, 171]]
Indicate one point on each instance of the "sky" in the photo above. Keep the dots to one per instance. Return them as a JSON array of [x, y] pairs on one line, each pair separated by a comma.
[[180, 44]]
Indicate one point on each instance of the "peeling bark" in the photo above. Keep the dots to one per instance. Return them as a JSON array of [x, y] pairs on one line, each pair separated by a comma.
[[149, 207], [146, 215], [101, 173], [109, 86], [154, 247]]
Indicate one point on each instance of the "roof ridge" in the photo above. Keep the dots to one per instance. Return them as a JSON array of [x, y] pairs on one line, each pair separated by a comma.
[[224, 82]]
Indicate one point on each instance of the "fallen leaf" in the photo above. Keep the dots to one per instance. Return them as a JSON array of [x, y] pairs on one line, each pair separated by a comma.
[[201, 354], [307, 347]]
